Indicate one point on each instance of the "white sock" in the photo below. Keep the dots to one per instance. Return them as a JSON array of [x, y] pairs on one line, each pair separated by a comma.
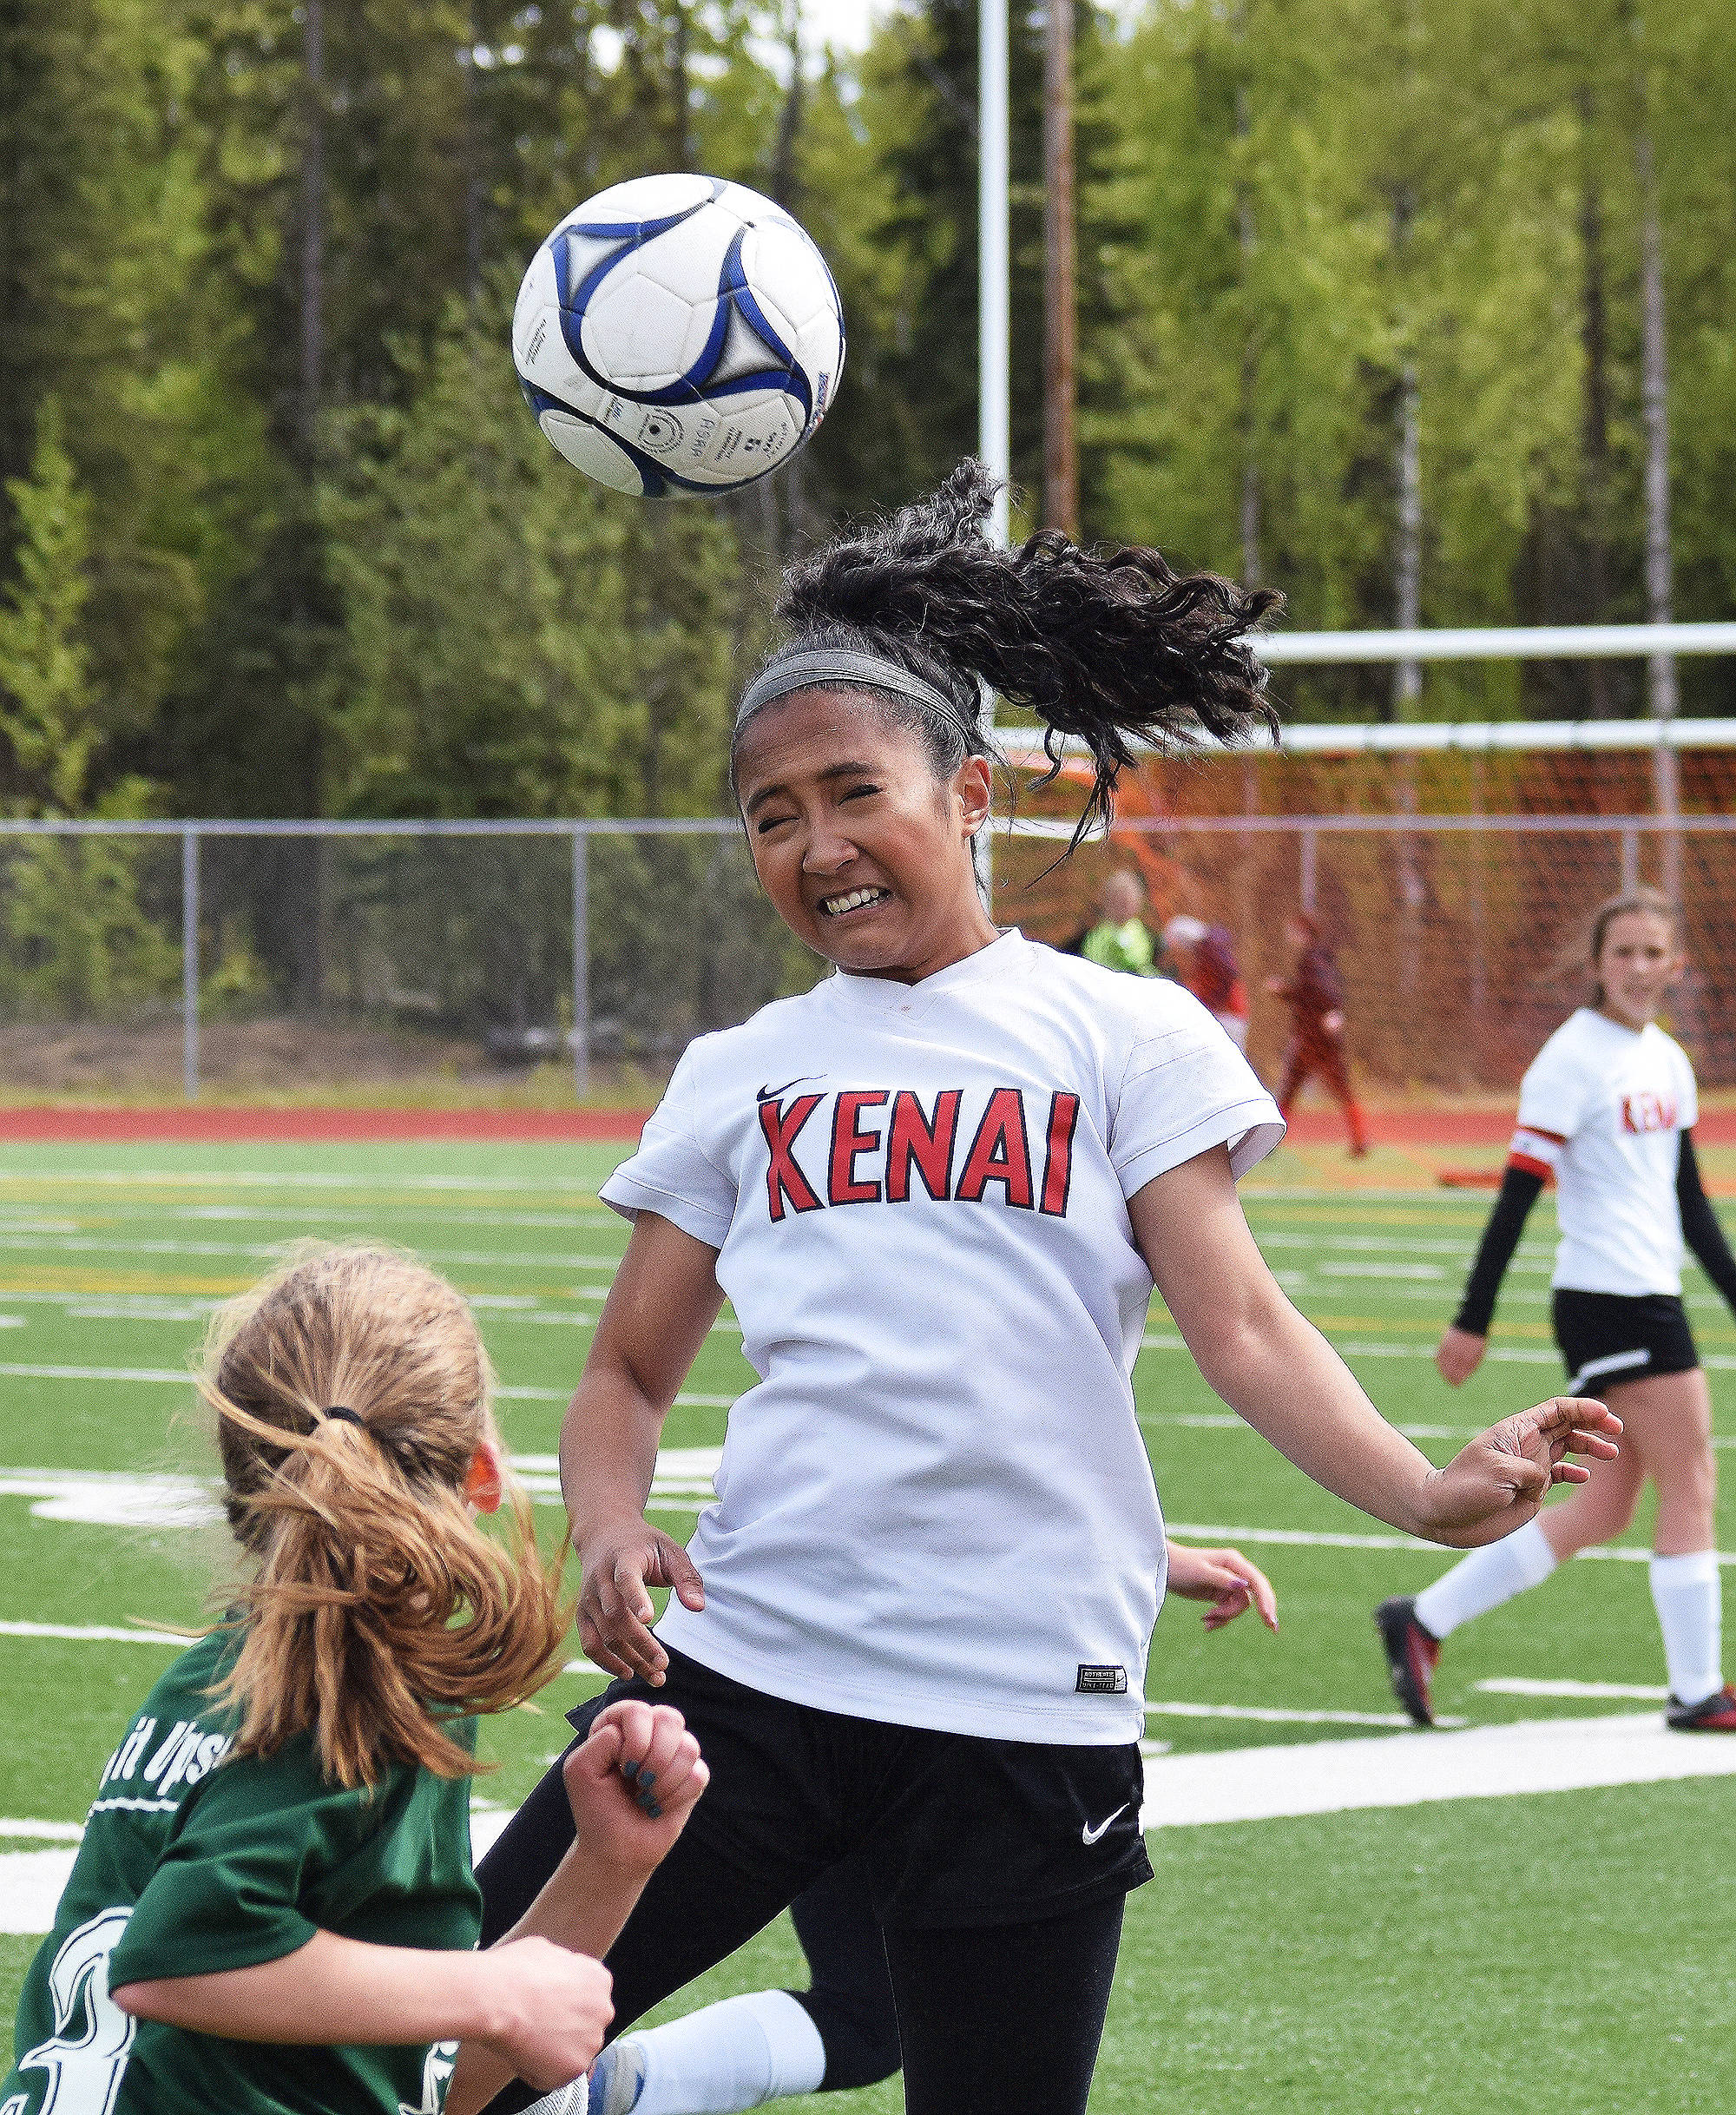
[[1688, 1596], [1486, 1578], [729, 2056]]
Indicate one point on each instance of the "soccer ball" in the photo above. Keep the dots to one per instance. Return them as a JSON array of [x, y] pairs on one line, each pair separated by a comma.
[[678, 335]]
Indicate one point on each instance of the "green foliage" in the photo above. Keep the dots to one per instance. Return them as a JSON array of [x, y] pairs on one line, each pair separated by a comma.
[[517, 640], [368, 585], [78, 938], [45, 690], [79, 941]]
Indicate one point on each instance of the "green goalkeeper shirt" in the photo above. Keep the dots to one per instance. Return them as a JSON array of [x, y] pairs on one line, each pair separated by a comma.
[[1126, 947], [192, 1863]]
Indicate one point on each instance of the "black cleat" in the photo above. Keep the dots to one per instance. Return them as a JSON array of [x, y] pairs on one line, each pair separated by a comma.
[[1410, 1655], [1713, 1714]]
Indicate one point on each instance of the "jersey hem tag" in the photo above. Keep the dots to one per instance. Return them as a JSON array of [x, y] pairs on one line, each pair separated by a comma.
[[1101, 1682]]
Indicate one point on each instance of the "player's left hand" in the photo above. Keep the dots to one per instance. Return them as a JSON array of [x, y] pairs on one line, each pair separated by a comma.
[[1499, 1481], [1227, 1581], [633, 1782]]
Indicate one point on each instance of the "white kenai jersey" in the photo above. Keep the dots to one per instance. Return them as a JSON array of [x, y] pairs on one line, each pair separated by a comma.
[[936, 1508], [1603, 1109]]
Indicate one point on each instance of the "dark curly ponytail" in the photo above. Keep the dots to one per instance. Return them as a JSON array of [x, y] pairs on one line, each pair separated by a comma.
[[1117, 649]]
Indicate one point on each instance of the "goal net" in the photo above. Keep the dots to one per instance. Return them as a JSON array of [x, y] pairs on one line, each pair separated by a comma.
[[1449, 869]]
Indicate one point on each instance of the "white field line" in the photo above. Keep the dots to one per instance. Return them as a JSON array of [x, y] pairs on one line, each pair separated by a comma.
[[31, 1886], [300, 1214], [1244, 1784], [1267, 1714], [96, 1633], [1310, 1539], [1371, 1348], [1258, 1192], [1527, 1685], [1406, 1770], [181, 1377], [682, 1483], [1388, 1347], [121, 1498], [1343, 1267], [91, 1244], [169, 1375], [173, 1308]]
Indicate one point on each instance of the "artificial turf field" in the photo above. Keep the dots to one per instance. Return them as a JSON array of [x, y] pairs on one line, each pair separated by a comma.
[[1564, 1951]]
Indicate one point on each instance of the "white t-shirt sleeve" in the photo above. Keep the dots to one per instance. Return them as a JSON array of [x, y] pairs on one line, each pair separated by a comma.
[[1557, 1092], [1186, 1089], [672, 1174]]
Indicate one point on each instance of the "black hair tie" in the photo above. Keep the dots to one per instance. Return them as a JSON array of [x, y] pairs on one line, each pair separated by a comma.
[[348, 1415]]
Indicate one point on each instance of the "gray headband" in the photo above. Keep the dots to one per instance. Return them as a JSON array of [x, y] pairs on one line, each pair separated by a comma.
[[824, 667]]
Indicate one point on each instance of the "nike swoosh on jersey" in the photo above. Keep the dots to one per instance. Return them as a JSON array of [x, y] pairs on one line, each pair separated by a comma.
[[777, 1094], [1091, 1835]]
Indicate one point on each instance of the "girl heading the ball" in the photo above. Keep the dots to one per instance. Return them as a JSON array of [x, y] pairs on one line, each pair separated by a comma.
[[272, 1908], [938, 1189]]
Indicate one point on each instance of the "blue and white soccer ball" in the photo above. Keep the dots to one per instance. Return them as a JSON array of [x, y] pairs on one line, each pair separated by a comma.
[[678, 335]]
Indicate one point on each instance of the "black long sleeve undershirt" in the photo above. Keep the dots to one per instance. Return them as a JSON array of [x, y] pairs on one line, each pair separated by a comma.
[[1701, 1229], [1520, 1190]]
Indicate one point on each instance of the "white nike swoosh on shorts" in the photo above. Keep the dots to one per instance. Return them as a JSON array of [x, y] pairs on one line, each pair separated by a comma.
[[1091, 1835], [1617, 1362]]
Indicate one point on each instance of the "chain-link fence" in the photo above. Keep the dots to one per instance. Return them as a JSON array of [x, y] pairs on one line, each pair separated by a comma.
[[399, 961], [384, 958], [1455, 934]]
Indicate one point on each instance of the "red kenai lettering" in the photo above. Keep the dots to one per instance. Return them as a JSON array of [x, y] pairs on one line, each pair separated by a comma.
[[1057, 1172], [1648, 1112], [912, 1141], [784, 1179], [849, 1143], [999, 1153]]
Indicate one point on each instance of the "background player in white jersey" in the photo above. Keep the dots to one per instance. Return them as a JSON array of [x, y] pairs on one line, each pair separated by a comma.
[[842, 2032], [1608, 1109], [938, 1189]]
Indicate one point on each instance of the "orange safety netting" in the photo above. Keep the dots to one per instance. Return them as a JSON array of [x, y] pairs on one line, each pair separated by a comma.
[[1449, 885]]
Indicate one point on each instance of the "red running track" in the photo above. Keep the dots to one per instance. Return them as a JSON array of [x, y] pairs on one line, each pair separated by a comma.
[[1458, 1127], [197, 1122], [193, 1122]]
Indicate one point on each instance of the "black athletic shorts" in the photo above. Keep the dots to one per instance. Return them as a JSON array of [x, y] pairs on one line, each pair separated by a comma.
[[1608, 1338], [952, 1831]]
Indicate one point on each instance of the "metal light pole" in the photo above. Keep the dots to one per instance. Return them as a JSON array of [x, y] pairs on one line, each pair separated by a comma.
[[994, 442], [1061, 318]]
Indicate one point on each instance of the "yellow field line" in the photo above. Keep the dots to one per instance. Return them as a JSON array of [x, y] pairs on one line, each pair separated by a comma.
[[1392, 1216], [49, 1279]]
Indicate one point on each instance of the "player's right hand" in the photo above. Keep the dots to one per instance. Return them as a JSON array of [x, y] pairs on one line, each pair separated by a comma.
[[1459, 1356], [554, 2008], [633, 1782], [618, 1564], [1229, 1583]]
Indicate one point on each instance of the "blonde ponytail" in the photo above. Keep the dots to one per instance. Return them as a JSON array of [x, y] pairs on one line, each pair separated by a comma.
[[351, 1393]]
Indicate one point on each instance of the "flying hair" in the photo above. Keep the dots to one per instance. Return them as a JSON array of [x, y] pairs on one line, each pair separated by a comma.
[[352, 1392], [1114, 648]]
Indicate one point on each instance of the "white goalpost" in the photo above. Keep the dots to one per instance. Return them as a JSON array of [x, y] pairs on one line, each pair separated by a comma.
[[1448, 860]]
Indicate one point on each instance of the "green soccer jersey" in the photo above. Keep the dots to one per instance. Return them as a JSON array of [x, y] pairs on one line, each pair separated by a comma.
[[1126, 947], [192, 1863]]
